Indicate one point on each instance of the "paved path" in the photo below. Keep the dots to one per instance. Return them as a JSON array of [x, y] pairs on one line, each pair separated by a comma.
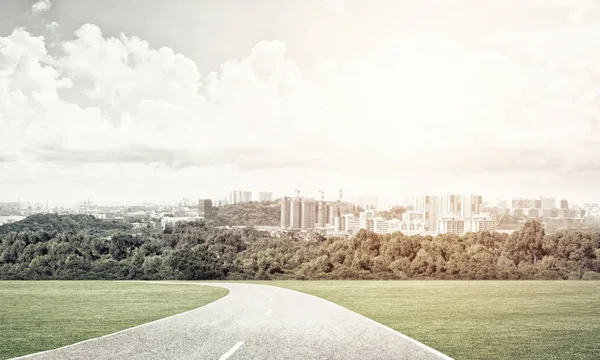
[[254, 322]]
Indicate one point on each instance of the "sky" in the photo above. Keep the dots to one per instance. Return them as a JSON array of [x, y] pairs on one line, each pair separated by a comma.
[[149, 100]]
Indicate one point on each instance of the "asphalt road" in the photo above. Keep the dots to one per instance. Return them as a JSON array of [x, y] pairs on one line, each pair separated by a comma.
[[254, 322]]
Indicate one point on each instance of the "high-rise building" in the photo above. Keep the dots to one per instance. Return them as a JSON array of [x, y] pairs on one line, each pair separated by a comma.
[[337, 209], [450, 205], [205, 210], [285, 212], [471, 205], [548, 203], [265, 196], [564, 204], [322, 214], [537, 204], [429, 207], [364, 218], [308, 211], [349, 223], [295, 213], [237, 196]]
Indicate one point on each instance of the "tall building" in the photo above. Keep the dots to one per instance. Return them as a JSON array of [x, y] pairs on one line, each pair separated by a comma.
[[471, 205], [295, 213], [322, 214], [428, 207], [548, 203], [237, 196], [285, 212], [537, 204], [205, 209], [564, 204], [265, 196], [308, 211], [451, 205], [364, 218], [336, 209]]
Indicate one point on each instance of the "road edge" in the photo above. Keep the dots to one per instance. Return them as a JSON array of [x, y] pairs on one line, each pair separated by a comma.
[[131, 328], [398, 333]]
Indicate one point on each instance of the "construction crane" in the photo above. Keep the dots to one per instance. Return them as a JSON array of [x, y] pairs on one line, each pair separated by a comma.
[[322, 195], [340, 191], [297, 193]]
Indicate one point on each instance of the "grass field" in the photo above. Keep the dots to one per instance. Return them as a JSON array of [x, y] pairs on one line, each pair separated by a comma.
[[42, 315], [478, 319]]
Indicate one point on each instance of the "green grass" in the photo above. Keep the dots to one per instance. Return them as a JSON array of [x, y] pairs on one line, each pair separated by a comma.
[[42, 315], [478, 319]]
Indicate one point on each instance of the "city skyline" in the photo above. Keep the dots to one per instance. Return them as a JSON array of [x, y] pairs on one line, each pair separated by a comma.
[[382, 201], [95, 105]]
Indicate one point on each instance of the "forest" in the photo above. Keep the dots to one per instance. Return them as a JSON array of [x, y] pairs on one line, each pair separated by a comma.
[[254, 213], [81, 247]]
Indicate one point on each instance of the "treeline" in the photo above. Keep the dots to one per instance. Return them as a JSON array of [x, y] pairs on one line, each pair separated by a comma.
[[201, 251], [61, 223], [267, 213]]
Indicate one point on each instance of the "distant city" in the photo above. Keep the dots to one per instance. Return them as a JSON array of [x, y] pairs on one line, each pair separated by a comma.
[[424, 215]]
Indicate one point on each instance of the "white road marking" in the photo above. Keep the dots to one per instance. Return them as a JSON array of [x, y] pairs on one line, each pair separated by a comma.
[[231, 351], [269, 312]]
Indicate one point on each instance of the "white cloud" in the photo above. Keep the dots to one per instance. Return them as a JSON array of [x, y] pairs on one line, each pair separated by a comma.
[[426, 103], [41, 7]]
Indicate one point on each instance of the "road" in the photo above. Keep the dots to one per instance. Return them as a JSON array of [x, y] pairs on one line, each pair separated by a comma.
[[254, 322]]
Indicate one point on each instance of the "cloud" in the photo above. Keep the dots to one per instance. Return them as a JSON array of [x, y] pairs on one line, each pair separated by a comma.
[[41, 7], [428, 103]]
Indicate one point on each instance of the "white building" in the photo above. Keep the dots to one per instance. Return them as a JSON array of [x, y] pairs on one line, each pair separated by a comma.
[[379, 225], [481, 222], [364, 218], [308, 210], [265, 196], [429, 209], [451, 224], [350, 223], [237, 196], [471, 206]]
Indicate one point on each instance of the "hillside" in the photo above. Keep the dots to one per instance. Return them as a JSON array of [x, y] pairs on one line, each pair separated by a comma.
[[60, 223], [248, 214]]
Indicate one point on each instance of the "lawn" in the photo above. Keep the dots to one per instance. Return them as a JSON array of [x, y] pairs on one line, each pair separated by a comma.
[[478, 319], [42, 315]]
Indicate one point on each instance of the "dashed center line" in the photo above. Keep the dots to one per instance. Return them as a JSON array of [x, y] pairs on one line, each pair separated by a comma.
[[231, 351], [269, 312]]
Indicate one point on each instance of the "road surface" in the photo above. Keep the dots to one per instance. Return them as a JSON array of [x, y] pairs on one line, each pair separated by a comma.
[[254, 322]]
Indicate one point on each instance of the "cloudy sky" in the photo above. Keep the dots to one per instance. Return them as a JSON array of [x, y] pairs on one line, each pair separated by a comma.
[[159, 100]]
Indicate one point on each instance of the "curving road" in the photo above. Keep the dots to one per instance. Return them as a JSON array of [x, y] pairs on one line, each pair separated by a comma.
[[254, 322]]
